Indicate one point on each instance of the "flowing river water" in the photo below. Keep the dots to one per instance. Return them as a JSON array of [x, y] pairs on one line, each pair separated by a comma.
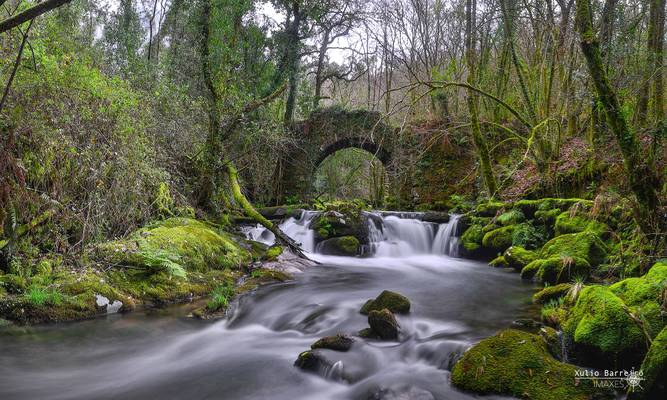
[[250, 355]]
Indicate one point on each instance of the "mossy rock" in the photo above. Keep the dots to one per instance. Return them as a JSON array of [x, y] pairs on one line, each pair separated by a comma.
[[384, 324], [654, 369], [517, 257], [511, 217], [555, 270], [394, 302], [499, 239], [551, 293], [489, 209], [13, 283], [586, 245], [566, 223], [518, 364], [552, 340], [531, 207], [650, 287], [331, 224], [471, 240], [340, 246], [602, 332], [337, 343], [548, 217], [499, 262], [195, 245]]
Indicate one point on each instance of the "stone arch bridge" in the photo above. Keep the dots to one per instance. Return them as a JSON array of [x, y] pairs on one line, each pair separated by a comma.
[[325, 132]]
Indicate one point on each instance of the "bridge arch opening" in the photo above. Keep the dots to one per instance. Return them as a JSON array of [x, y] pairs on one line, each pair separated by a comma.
[[350, 173]]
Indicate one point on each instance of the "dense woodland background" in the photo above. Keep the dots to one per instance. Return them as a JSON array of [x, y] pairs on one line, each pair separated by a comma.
[[116, 113]]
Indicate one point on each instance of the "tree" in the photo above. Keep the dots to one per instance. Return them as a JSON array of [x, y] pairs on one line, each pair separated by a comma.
[[473, 100], [641, 173]]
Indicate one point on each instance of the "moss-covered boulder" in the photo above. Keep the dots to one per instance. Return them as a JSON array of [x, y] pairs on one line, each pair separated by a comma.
[[332, 223], [471, 240], [648, 288], [551, 293], [518, 364], [499, 262], [511, 217], [548, 217], [188, 243], [340, 246], [531, 207], [602, 330], [555, 270], [517, 257], [394, 302], [654, 369], [499, 239], [568, 223], [489, 209], [337, 343], [383, 324], [586, 245]]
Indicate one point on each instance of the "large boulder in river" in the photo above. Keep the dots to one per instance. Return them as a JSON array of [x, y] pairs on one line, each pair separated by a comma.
[[519, 364], [339, 246], [517, 257], [394, 302], [331, 224], [384, 324]]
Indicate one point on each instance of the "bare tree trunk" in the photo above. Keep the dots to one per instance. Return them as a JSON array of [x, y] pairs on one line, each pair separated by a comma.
[[473, 100]]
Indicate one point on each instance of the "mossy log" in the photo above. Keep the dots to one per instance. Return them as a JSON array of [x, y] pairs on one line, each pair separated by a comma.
[[250, 211]]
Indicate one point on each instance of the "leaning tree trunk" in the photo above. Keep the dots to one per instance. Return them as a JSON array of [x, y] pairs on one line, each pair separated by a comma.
[[642, 176], [473, 102]]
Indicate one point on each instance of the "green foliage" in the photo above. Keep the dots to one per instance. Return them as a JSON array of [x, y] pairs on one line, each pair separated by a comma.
[[472, 238], [220, 298], [528, 236], [40, 296], [511, 217]]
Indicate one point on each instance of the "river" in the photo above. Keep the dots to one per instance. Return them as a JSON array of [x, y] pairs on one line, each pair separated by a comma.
[[250, 355]]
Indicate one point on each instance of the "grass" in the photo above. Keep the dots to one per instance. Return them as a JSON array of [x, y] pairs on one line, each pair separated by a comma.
[[220, 297], [40, 296]]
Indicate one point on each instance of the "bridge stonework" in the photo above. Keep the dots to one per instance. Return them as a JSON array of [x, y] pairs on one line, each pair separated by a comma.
[[322, 134]]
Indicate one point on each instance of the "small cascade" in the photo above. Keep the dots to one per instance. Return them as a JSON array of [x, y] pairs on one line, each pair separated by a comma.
[[390, 234], [296, 228], [446, 242]]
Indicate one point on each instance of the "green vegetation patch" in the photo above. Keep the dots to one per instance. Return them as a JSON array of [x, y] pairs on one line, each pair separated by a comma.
[[518, 364]]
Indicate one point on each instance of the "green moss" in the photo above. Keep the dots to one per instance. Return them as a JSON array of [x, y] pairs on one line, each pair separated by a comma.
[[553, 313], [499, 262], [547, 217], [394, 302], [511, 217], [13, 283], [489, 209], [472, 238], [349, 244], [273, 252], [586, 245], [550, 293], [654, 368], [194, 245], [555, 270], [602, 330], [650, 287], [565, 223], [517, 257], [499, 239], [519, 364]]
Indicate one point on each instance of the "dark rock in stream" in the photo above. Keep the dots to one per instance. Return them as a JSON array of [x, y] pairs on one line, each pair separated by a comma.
[[384, 324], [312, 361], [336, 343], [394, 302], [436, 217]]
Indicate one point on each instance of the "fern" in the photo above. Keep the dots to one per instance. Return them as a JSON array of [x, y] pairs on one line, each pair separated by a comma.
[[163, 261]]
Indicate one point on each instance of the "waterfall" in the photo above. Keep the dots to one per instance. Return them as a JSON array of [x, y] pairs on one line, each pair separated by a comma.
[[390, 234], [446, 242]]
